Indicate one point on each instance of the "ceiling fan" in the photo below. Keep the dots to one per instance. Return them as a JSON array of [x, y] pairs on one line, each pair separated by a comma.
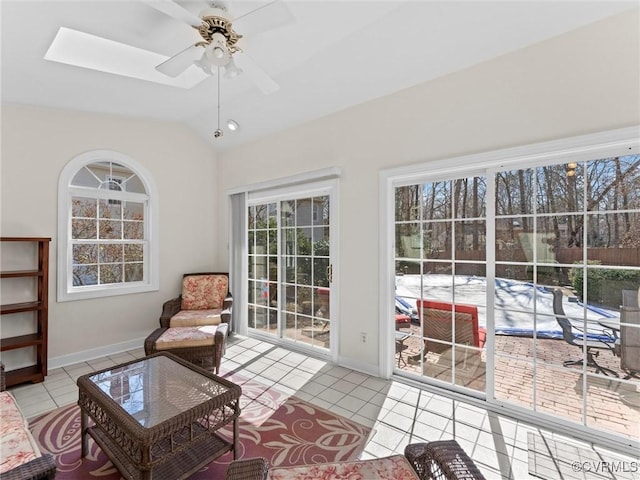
[[219, 47]]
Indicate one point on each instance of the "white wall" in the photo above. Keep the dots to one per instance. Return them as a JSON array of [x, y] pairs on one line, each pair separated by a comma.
[[581, 82], [37, 143]]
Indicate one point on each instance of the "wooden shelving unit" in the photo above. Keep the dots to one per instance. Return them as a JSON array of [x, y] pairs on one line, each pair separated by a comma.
[[38, 339]]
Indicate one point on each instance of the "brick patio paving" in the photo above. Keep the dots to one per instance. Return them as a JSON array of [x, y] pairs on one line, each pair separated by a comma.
[[612, 404]]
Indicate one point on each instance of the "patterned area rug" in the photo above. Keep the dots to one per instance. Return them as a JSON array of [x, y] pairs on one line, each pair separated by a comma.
[[285, 430]]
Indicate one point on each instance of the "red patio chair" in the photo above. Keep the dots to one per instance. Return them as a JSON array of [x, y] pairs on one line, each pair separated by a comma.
[[438, 327]]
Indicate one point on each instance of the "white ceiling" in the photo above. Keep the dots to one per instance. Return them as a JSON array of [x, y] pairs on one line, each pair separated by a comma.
[[334, 55]]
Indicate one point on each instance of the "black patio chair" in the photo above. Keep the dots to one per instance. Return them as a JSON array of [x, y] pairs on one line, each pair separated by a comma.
[[580, 339]]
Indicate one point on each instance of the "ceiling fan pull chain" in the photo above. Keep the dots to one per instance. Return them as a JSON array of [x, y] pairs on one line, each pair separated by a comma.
[[218, 133]]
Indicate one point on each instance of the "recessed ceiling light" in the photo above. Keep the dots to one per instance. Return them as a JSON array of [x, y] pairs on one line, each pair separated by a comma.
[[232, 125], [80, 49]]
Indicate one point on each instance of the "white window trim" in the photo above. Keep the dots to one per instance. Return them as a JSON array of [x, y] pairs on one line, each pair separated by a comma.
[[625, 141], [65, 291], [290, 181]]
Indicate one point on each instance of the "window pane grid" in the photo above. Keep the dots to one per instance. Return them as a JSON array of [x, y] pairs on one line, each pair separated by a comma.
[[100, 263], [263, 270], [571, 227], [440, 236], [292, 236], [108, 240], [91, 216]]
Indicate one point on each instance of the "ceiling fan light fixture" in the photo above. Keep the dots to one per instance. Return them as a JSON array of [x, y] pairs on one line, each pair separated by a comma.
[[204, 64], [233, 125], [217, 52], [231, 70]]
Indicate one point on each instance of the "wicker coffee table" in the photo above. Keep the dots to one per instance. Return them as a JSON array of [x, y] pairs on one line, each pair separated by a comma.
[[157, 417]]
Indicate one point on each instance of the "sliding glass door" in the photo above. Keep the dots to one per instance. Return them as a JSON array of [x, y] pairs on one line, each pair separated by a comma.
[[290, 269], [519, 284]]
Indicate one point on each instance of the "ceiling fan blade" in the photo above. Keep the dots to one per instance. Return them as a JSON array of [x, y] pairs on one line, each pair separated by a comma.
[[177, 64], [171, 8], [271, 15], [263, 81]]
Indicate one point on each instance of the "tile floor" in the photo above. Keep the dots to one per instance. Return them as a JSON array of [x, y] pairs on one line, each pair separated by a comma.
[[399, 413]]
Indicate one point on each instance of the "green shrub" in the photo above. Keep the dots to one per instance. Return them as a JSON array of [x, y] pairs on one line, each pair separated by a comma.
[[604, 285]]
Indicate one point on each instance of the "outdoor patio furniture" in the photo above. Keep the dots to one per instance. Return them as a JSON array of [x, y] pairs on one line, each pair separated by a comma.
[[631, 298], [437, 326], [402, 321], [630, 344], [401, 337], [194, 325], [611, 327], [630, 341], [580, 339], [404, 308]]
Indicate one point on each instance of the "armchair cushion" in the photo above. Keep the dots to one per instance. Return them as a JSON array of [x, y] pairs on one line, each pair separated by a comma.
[[181, 337], [17, 445], [195, 318], [204, 292], [203, 345], [392, 468]]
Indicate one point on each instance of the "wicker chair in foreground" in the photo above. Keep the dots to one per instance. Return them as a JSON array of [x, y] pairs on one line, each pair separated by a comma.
[[443, 459], [249, 469], [195, 325]]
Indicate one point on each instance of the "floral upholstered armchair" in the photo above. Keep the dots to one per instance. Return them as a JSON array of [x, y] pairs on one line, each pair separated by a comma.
[[438, 460], [20, 455], [194, 325]]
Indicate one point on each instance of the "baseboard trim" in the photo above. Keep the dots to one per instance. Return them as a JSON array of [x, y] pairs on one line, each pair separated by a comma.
[[363, 367], [92, 354]]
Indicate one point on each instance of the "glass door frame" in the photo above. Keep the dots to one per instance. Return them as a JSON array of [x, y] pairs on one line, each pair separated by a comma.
[[589, 147], [456, 304], [277, 195]]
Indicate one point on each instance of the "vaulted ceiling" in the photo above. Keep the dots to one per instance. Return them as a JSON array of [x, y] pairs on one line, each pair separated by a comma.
[[334, 54]]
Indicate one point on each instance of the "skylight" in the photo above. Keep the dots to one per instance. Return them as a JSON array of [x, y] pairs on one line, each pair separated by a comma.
[[81, 49]]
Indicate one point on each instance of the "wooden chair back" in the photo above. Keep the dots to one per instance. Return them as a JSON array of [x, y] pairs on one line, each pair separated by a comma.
[[438, 320]]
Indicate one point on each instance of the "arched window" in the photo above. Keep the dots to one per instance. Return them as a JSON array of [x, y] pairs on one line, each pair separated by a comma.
[[107, 228]]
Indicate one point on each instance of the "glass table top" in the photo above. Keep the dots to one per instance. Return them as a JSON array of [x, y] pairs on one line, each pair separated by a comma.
[[156, 389]]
